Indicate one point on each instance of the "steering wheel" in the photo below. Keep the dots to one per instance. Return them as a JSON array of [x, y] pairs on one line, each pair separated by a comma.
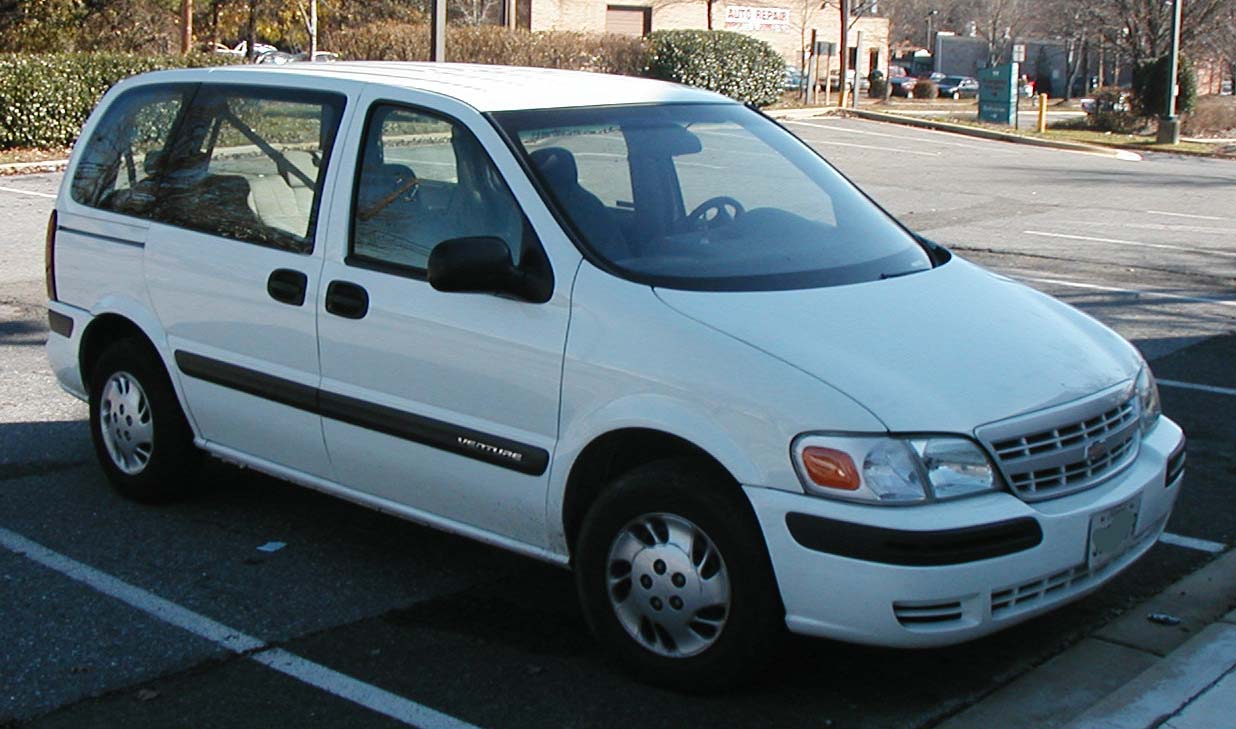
[[720, 206]]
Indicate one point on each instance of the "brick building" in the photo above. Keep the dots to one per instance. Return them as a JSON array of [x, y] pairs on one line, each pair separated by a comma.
[[785, 24]]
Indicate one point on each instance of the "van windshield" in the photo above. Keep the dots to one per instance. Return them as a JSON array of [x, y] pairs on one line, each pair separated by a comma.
[[707, 197]]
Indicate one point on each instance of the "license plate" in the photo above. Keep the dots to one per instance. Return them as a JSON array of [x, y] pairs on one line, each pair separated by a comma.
[[1111, 531]]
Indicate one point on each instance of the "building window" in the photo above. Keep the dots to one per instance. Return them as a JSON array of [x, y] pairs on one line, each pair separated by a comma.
[[627, 20]]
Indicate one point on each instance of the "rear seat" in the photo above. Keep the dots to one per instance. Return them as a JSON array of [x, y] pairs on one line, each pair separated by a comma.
[[284, 201]]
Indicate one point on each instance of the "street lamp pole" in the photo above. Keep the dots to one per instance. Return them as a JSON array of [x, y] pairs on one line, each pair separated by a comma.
[[931, 14], [1169, 125]]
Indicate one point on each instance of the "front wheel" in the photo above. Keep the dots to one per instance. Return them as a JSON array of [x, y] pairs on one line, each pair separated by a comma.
[[674, 577]]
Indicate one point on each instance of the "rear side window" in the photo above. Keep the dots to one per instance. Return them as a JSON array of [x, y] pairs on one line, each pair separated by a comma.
[[119, 166], [249, 165]]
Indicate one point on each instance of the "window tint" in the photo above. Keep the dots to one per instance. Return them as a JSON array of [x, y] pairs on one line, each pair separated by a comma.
[[424, 180], [250, 164], [119, 166]]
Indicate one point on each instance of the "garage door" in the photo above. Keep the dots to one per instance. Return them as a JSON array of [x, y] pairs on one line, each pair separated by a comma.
[[627, 20]]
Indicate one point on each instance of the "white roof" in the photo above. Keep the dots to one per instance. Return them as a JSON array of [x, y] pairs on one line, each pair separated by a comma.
[[495, 88]]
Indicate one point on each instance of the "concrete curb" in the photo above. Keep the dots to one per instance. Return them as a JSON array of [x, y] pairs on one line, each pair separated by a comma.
[[1099, 682], [992, 134], [806, 112], [1165, 688], [19, 168]]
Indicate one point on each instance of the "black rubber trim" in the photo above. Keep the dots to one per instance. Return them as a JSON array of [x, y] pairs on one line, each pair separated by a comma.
[[914, 548], [100, 236], [1176, 463], [276, 389], [435, 433], [472, 444], [59, 323]]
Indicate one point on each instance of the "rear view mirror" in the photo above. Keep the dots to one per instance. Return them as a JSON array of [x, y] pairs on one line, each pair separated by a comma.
[[665, 139]]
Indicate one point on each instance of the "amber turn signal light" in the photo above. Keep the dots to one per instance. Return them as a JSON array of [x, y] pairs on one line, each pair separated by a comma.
[[830, 468]]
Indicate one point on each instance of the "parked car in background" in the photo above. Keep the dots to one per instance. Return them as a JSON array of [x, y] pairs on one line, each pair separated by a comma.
[[958, 87], [902, 85], [359, 278], [795, 80]]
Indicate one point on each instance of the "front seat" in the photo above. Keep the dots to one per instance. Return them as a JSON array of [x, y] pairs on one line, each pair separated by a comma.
[[559, 172]]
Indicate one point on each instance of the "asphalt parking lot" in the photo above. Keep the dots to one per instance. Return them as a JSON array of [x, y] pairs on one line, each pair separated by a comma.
[[112, 613]]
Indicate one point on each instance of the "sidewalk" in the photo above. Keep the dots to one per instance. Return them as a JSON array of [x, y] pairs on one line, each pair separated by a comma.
[[1134, 673]]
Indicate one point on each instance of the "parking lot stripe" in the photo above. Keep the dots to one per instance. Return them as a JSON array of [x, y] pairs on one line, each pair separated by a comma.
[[359, 692], [1203, 388], [1139, 244], [1114, 289], [236, 641], [1202, 545], [1186, 215], [28, 192]]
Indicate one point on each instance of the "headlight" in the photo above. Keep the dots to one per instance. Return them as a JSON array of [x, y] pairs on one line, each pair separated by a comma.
[[1148, 398], [887, 470]]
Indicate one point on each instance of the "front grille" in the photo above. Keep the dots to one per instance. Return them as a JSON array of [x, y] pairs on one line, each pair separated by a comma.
[[920, 613], [1067, 449]]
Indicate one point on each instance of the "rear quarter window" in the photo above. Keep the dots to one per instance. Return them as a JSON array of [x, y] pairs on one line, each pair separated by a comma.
[[120, 164]]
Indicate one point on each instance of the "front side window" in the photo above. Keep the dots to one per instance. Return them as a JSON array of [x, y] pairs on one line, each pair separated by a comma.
[[707, 196], [424, 180], [250, 163], [119, 166]]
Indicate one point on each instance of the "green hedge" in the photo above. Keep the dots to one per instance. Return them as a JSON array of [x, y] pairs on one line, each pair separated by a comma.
[[1150, 86], [739, 66], [390, 41], [45, 98]]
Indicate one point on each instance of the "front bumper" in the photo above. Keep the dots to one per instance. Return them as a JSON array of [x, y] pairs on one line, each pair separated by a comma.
[[902, 601]]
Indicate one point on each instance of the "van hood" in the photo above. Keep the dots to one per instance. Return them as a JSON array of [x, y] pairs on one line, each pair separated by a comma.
[[945, 350]]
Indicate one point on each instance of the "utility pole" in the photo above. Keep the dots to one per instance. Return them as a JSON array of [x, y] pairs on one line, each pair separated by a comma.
[[844, 46], [1169, 125], [437, 30], [186, 26], [509, 16]]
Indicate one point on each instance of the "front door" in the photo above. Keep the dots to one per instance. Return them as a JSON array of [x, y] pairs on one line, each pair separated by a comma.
[[443, 402]]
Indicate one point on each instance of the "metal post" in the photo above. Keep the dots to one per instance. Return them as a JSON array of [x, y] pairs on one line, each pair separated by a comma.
[[1169, 125], [437, 30], [858, 57], [508, 14], [828, 79], [813, 70], [313, 30], [844, 47], [1042, 113]]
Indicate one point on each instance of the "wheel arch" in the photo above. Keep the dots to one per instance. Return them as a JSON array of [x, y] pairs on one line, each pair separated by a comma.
[[618, 451]]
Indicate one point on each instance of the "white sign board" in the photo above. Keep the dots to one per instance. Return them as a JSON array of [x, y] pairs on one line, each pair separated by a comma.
[[742, 17]]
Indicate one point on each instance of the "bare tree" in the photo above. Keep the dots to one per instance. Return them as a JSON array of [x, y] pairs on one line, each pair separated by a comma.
[[475, 12]]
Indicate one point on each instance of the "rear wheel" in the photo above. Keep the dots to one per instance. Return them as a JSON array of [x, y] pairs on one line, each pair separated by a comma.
[[674, 577], [140, 434]]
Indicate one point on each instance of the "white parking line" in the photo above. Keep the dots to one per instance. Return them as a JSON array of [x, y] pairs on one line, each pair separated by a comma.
[[1201, 545], [1138, 244], [341, 685], [870, 146], [1135, 292], [912, 137], [28, 192], [1186, 215], [1202, 388]]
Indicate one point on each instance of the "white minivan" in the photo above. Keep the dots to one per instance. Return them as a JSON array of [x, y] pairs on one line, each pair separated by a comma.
[[624, 326]]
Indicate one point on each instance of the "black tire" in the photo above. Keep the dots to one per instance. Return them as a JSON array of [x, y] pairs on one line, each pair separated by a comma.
[[709, 500], [170, 463]]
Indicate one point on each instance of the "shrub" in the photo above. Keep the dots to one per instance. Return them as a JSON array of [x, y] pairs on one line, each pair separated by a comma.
[[925, 88], [739, 66], [389, 41], [1150, 87], [1112, 111], [45, 98], [1214, 116]]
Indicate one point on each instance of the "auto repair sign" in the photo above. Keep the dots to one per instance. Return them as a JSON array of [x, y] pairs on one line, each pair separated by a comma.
[[742, 17]]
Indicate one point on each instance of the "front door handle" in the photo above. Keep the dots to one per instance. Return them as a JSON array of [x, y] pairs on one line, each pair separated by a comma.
[[287, 286], [347, 300]]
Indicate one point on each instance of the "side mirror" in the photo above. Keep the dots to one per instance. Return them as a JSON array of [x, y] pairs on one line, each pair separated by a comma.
[[478, 265]]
